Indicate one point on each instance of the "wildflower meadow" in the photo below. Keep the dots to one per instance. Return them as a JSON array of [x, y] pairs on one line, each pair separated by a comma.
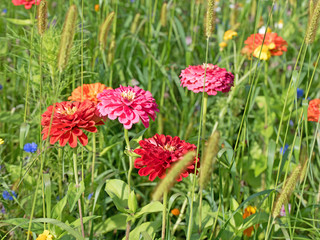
[[165, 120]]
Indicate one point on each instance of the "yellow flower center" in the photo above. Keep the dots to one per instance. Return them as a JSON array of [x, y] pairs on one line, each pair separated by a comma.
[[169, 148], [67, 110], [265, 52], [129, 95]]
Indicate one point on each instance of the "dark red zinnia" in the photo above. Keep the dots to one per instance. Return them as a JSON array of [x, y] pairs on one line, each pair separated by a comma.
[[159, 153], [69, 119]]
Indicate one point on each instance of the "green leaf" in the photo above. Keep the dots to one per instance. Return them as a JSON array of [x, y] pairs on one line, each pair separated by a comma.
[[77, 222], [24, 222], [24, 129], [146, 236], [115, 222], [118, 190], [74, 193], [58, 208], [47, 190], [149, 227], [155, 206], [132, 202], [254, 219], [20, 21]]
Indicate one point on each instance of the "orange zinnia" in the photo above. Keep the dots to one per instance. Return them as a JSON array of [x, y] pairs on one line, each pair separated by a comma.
[[275, 44], [314, 110], [248, 212], [90, 92]]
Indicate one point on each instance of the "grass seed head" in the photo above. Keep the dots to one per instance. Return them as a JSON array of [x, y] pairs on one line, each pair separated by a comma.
[[314, 16], [210, 19], [42, 17], [67, 37], [286, 191], [173, 174], [209, 158], [104, 29], [163, 17], [135, 23]]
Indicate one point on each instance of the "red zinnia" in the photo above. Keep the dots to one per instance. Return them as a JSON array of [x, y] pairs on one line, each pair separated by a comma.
[[217, 79], [69, 119], [159, 153], [275, 44], [128, 104], [314, 110], [27, 3]]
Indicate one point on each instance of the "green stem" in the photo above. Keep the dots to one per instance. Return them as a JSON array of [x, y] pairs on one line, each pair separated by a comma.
[[164, 215], [126, 137], [93, 158], [75, 169], [203, 106]]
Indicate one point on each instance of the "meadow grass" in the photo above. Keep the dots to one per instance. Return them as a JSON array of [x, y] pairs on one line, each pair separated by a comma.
[[259, 148]]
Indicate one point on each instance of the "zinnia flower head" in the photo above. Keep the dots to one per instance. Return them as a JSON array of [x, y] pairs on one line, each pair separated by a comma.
[[222, 45], [45, 236], [314, 110], [69, 121], [128, 104], [248, 211], [273, 45], [89, 92], [97, 7], [228, 35], [159, 153], [217, 79], [27, 3]]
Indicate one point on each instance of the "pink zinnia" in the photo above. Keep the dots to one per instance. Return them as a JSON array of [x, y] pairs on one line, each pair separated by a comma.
[[217, 79], [159, 153], [27, 3], [128, 104]]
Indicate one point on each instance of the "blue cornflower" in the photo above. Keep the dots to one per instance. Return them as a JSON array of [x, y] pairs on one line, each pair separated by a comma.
[[4, 11], [30, 147], [8, 196], [291, 123], [1, 87], [300, 92], [132, 1], [90, 196], [283, 150], [3, 210]]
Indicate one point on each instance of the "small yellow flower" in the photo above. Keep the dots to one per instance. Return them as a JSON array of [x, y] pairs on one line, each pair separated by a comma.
[[279, 24], [265, 52], [45, 236], [228, 35], [222, 45], [96, 7], [1, 141]]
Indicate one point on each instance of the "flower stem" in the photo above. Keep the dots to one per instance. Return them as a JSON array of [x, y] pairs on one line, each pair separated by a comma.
[[93, 158], [126, 138], [164, 216], [75, 169], [202, 116]]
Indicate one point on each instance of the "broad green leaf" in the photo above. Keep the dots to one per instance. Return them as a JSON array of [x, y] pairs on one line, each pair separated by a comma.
[[77, 222], [149, 227], [58, 208], [20, 21], [118, 190], [155, 206], [74, 193], [254, 219], [132, 202], [114, 222]]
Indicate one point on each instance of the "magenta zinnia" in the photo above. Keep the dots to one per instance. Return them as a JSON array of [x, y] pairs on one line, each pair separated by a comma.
[[159, 153], [69, 119], [128, 104], [217, 79]]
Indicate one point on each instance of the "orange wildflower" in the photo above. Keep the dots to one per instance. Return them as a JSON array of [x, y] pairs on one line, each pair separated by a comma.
[[314, 110], [248, 211], [273, 45], [89, 92], [175, 211], [96, 7]]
